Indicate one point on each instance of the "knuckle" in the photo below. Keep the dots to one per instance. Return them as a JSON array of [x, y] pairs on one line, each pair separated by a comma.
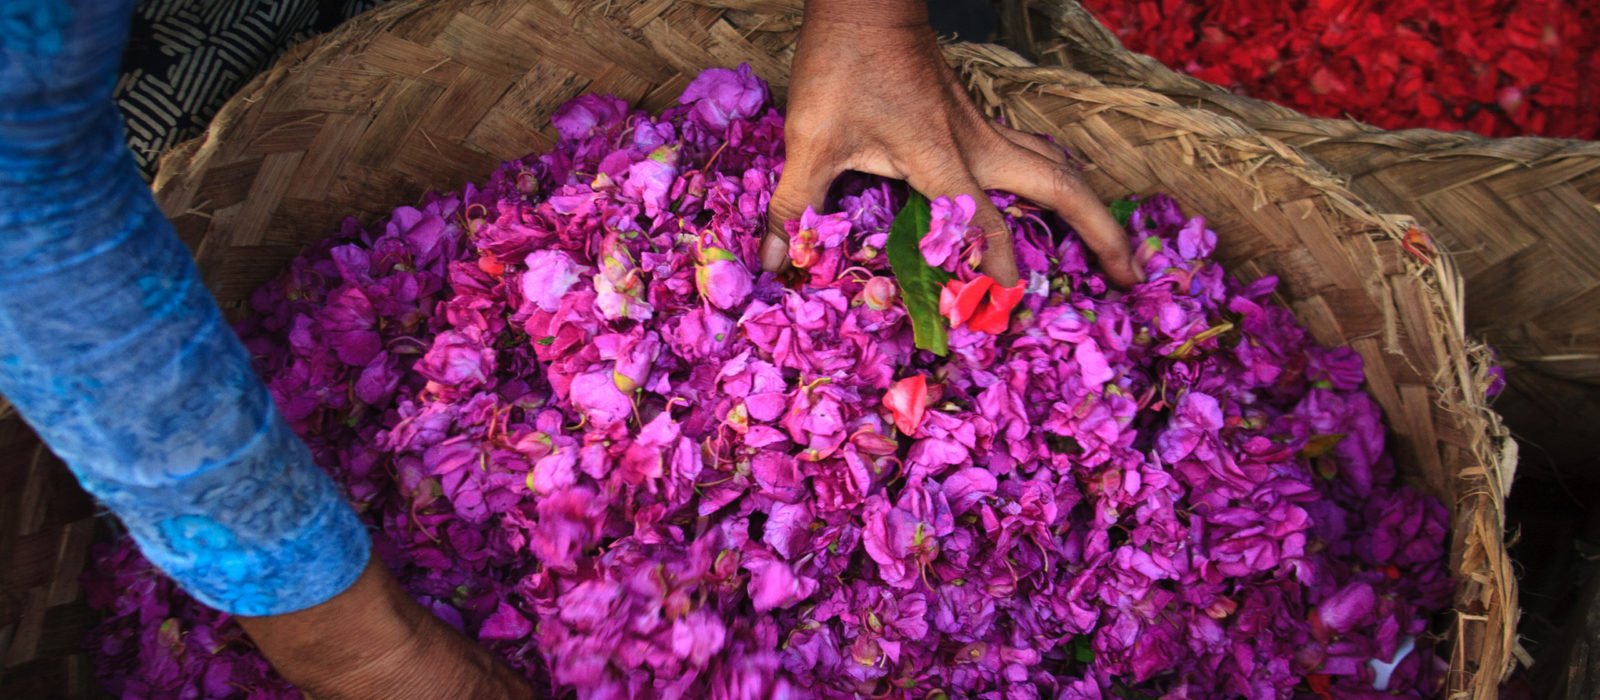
[[1064, 179], [995, 226], [782, 207], [1074, 194], [937, 158], [801, 125], [990, 137], [776, 218], [940, 170], [804, 135]]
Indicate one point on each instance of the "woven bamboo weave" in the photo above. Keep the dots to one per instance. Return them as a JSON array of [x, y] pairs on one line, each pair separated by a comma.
[[1521, 217], [429, 95], [46, 526]]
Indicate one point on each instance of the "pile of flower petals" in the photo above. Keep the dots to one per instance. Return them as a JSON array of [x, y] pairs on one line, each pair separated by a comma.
[[587, 433], [1494, 67]]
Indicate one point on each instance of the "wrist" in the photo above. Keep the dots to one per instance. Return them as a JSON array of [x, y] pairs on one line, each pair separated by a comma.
[[315, 648], [374, 641], [873, 14]]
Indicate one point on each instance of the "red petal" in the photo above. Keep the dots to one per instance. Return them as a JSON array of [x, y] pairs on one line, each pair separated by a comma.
[[964, 299], [1320, 683], [1007, 298], [989, 320], [947, 299], [490, 265], [994, 315], [1523, 68], [907, 401]]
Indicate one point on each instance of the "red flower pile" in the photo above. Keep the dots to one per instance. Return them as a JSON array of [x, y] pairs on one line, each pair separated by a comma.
[[1494, 67]]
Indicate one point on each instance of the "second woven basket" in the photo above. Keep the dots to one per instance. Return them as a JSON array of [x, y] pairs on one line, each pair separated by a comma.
[[1521, 218]]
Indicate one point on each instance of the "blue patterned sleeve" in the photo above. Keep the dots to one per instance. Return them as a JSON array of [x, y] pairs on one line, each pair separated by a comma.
[[115, 352]]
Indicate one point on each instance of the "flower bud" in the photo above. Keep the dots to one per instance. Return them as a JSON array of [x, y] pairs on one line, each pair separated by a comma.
[[879, 293]]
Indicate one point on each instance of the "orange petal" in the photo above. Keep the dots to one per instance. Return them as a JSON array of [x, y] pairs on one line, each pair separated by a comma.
[[490, 265]]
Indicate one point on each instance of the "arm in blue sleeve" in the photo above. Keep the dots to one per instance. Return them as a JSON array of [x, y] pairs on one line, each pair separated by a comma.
[[115, 352]]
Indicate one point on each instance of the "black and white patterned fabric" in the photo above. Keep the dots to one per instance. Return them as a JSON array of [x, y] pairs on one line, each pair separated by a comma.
[[187, 57]]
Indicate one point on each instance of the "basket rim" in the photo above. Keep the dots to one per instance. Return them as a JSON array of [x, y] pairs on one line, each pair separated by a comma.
[[995, 74]]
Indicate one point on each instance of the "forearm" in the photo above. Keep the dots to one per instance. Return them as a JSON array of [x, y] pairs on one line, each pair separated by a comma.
[[113, 349], [871, 13]]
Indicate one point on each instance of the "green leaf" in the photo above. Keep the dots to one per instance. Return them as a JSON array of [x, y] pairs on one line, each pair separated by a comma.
[[1319, 445], [1122, 209], [1082, 652], [919, 282]]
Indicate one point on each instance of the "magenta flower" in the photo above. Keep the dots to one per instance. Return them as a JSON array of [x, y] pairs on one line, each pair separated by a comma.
[[378, 381], [620, 286], [1353, 605], [904, 539], [505, 624], [966, 487], [635, 354], [1196, 419], [550, 274], [722, 280], [879, 293], [778, 475], [815, 234], [700, 334], [650, 180], [950, 233], [1195, 241], [348, 322], [458, 359], [697, 637], [597, 396], [720, 96], [773, 584], [587, 114]]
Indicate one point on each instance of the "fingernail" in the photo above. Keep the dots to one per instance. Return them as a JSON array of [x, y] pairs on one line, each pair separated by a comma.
[[774, 253]]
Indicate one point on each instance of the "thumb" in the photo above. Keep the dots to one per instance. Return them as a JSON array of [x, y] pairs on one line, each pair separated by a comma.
[[804, 183]]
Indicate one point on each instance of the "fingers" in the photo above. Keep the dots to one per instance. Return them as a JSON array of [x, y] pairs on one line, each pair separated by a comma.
[[999, 257], [951, 180], [1025, 172], [1033, 142], [1018, 162], [804, 183]]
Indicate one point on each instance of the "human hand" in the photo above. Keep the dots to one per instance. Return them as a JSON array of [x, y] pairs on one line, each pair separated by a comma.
[[871, 92], [374, 641]]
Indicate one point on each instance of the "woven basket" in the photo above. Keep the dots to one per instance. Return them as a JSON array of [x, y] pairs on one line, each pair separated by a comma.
[[422, 95], [1520, 216], [46, 526]]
